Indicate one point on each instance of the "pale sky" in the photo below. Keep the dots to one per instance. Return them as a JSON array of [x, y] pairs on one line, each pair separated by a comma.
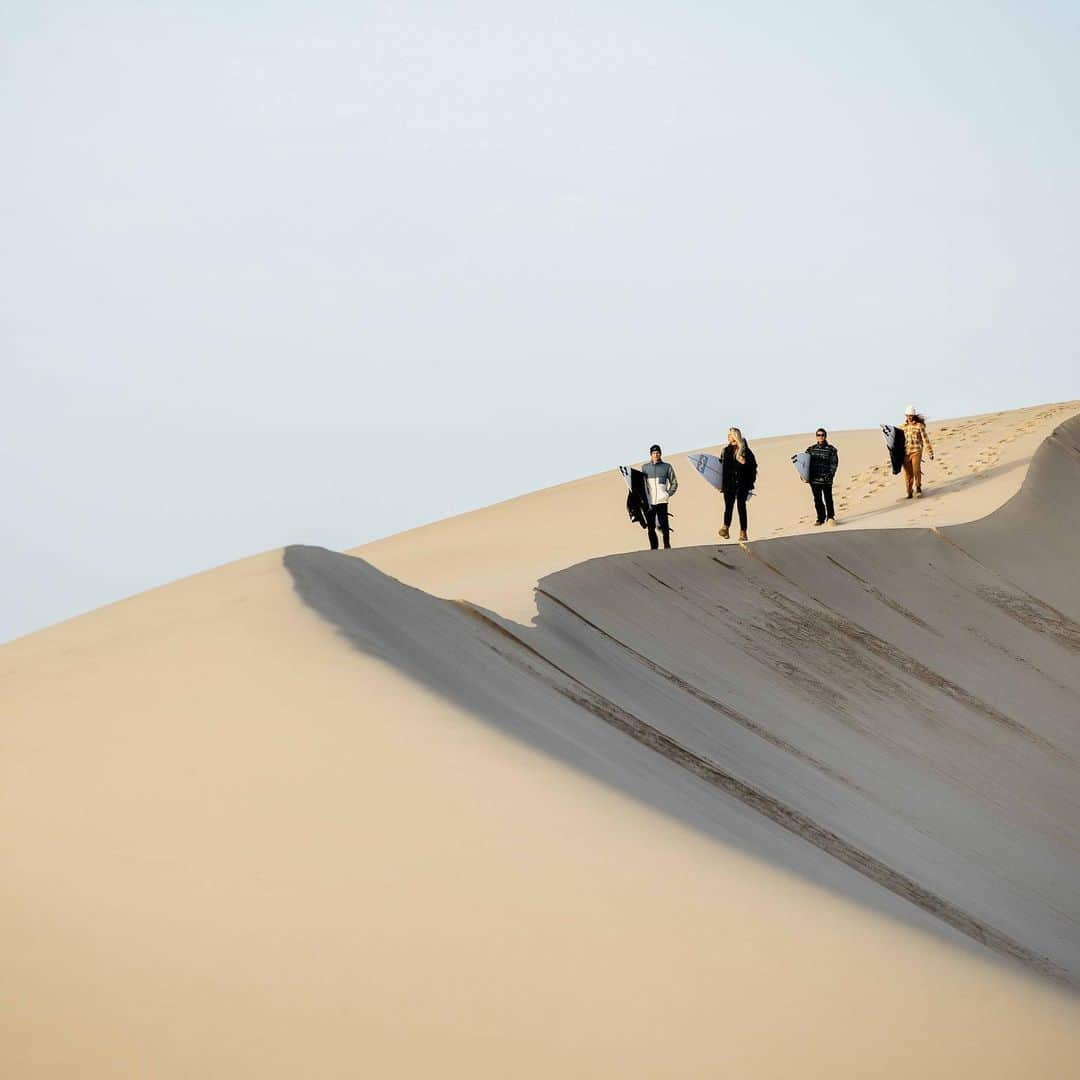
[[316, 273]]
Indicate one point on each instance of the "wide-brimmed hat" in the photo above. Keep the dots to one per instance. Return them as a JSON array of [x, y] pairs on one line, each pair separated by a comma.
[[911, 411]]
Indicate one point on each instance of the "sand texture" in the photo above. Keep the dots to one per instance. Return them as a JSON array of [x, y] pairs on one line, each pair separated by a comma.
[[491, 801], [495, 556]]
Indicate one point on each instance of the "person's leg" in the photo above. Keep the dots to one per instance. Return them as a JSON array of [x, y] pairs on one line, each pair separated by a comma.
[[729, 506], [916, 469], [742, 515], [666, 528], [661, 514], [819, 507], [909, 474], [650, 518], [826, 491]]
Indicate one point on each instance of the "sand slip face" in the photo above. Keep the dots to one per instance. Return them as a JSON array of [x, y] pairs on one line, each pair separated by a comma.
[[240, 838], [234, 845], [494, 557]]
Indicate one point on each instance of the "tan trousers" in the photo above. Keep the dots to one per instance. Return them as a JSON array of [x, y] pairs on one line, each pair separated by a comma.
[[913, 471]]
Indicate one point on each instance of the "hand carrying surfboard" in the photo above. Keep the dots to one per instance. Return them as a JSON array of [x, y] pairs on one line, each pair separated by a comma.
[[802, 466], [711, 468]]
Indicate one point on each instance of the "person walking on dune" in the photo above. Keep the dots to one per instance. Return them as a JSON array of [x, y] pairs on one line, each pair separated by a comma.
[[916, 441], [823, 464], [660, 484], [739, 477]]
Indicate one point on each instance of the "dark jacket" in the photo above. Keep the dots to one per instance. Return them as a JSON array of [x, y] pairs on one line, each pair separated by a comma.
[[823, 463], [739, 478]]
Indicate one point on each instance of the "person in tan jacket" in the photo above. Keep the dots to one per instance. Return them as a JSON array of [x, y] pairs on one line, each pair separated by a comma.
[[916, 442]]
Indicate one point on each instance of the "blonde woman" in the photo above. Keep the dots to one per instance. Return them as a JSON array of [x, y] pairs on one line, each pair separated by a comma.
[[740, 475]]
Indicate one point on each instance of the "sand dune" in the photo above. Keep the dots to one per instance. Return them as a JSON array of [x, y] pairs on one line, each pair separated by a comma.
[[495, 556], [893, 698], [806, 810]]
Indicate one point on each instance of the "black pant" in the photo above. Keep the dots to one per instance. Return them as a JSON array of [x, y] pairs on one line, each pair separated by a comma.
[[652, 514], [730, 498], [823, 501]]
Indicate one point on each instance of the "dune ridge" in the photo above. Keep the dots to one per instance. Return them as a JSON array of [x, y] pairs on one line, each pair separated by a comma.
[[934, 750], [495, 556]]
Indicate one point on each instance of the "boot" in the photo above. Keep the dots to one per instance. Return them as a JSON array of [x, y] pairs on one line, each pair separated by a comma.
[[724, 534], [743, 536]]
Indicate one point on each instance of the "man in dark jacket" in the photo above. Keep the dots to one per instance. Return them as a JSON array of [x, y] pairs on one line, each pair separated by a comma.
[[823, 463]]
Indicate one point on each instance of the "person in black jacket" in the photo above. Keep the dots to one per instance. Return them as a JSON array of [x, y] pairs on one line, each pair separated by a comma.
[[740, 475], [823, 463]]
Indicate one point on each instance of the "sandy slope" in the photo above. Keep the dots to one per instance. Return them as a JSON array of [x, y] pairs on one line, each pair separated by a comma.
[[238, 841], [915, 693], [495, 556]]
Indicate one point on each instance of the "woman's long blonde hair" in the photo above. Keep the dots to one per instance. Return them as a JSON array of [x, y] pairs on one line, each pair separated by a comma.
[[740, 444]]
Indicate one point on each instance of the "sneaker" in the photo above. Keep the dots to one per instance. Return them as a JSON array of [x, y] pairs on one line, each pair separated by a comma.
[[743, 536], [918, 494], [819, 522], [909, 494], [724, 534], [831, 523]]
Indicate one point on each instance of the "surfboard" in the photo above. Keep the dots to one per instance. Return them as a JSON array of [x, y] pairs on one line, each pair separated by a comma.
[[802, 465], [894, 441], [710, 467], [636, 500]]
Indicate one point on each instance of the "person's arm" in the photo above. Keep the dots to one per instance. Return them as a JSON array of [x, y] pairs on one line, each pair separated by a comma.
[[673, 480], [926, 440], [834, 463]]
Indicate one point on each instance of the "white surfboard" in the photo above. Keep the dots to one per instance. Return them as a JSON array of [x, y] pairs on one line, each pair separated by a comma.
[[802, 465], [710, 467]]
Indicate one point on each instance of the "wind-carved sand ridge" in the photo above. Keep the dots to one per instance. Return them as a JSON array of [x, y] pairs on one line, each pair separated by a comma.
[[907, 701], [495, 556]]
